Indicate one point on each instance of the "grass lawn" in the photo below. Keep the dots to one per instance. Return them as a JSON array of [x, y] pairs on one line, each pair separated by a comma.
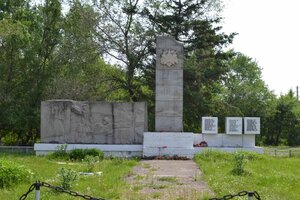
[[109, 185], [272, 177]]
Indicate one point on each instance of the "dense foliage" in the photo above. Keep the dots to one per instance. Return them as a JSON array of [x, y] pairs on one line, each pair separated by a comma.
[[105, 50]]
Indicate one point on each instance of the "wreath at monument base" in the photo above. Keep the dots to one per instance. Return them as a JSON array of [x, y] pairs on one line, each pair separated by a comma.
[[201, 144]]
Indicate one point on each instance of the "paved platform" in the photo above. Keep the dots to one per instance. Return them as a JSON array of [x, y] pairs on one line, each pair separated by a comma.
[[169, 179]]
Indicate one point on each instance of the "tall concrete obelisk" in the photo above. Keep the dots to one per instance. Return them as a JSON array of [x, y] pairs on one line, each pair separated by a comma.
[[169, 85]]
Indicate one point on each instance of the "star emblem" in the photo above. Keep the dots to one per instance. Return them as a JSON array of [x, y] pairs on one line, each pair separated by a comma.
[[169, 58]]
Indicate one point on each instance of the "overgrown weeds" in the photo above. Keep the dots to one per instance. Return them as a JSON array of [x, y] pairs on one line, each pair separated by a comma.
[[12, 173], [91, 162], [67, 178], [239, 162]]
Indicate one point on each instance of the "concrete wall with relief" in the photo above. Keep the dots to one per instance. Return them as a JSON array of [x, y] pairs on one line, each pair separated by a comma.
[[83, 122]]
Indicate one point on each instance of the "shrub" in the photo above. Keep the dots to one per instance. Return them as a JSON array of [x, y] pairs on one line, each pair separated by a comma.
[[11, 173], [67, 177], [95, 152], [77, 154], [60, 153], [239, 163], [80, 154], [9, 138], [91, 162]]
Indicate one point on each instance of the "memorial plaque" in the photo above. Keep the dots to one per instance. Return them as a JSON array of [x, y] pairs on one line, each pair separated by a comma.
[[210, 125], [234, 125], [251, 125]]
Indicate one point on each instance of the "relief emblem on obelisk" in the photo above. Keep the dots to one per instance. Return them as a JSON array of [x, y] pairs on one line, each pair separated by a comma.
[[169, 58]]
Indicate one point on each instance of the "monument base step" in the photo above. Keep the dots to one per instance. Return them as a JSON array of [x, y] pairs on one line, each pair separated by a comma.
[[159, 151], [189, 153], [183, 140], [138, 150]]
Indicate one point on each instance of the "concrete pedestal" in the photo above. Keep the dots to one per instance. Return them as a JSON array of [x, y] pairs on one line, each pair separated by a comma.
[[168, 144]]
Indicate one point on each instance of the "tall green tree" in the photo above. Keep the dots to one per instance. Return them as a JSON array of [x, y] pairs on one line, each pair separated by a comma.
[[77, 55], [125, 38], [282, 127], [245, 91], [28, 38]]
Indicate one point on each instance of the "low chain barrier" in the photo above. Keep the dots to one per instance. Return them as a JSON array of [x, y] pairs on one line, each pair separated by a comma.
[[240, 194], [38, 184]]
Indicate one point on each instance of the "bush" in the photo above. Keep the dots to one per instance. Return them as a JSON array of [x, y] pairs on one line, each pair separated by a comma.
[[91, 162], [9, 138], [76, 154], [67, 177], [95, 153], [60, 153], [239, 164], [80, 154], [11, 173]]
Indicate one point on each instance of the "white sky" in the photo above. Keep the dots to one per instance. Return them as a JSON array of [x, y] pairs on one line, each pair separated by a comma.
[[269, 32]]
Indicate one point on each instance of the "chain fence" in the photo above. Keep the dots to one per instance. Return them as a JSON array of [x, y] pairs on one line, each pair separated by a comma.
[[38, 184], [240, 194]]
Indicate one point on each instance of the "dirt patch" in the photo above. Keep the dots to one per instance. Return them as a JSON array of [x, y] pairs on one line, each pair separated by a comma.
[[166, 180]]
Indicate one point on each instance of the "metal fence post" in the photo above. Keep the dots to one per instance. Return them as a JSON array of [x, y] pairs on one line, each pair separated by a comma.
[[37, 190], [250, 195]]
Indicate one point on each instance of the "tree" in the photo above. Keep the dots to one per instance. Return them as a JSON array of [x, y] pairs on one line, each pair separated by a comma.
[[244, 88], [28, 38], [283, 125], [77, 57], [126, 38]]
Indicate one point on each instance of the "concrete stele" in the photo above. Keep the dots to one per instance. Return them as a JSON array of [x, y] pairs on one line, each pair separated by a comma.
[[169, 85]]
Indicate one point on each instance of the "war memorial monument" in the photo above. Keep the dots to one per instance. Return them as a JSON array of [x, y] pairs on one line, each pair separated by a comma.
[[121, 129]]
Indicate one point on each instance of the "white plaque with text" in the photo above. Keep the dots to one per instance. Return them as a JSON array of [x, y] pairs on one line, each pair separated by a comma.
[[234, 125], [251, 125], [210, 125]]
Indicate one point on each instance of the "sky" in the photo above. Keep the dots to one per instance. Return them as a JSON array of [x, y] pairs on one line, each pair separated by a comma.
[[269, 32]]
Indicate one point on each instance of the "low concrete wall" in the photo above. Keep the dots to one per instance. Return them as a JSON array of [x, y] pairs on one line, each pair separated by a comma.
[[181, 144], [226, 140], [167, 143], [83, 122]]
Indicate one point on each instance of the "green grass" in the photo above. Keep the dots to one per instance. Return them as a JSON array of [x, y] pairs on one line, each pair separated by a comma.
[[109, 185], [170, 179], [272, 177]]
